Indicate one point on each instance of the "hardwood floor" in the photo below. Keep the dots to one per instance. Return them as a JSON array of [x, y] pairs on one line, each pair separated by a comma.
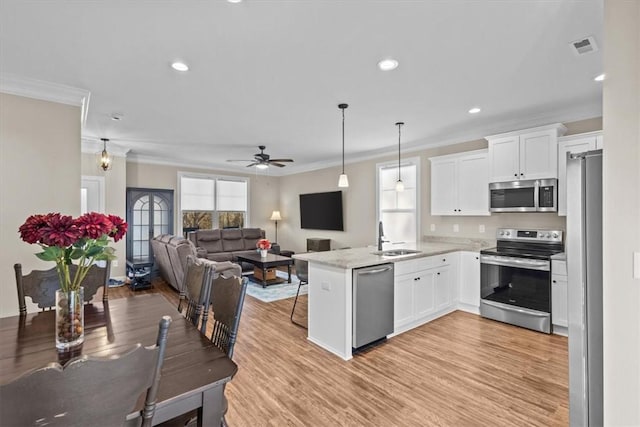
[[459, 370]]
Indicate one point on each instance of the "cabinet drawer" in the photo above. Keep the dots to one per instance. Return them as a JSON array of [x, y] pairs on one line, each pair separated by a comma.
[[405, 267], [559, 267]]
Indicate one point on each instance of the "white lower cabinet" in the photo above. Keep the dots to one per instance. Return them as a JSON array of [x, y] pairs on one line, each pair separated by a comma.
[[424, 290], [559, 297], [469, 283]]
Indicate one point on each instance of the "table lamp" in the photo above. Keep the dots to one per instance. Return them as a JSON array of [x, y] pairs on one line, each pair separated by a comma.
[[275, 216]]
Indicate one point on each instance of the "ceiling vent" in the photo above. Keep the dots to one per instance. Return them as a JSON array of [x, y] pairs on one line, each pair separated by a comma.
[[584, 46]]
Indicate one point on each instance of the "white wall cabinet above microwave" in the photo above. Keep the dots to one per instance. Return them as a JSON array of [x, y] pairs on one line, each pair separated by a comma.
[[460, 184], [525, 154], [573, 144]]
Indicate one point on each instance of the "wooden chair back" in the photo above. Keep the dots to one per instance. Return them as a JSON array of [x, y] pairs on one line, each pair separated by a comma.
[[195, 291], [227, 299], [41, 285], [88, 391]]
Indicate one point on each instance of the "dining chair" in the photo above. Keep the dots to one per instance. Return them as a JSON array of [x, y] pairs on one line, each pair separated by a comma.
[[195, 291], [41, 285], [226, 298], [88, 391], [302, 271]]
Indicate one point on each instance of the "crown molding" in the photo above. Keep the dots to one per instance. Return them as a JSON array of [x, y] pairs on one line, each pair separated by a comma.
[[46, 91], [94, 145]]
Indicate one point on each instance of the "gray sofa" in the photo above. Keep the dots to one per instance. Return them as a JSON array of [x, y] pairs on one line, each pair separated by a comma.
[[170, 253], [226, 244]]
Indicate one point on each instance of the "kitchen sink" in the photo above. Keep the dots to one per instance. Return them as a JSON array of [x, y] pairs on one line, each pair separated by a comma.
[[397, 252]]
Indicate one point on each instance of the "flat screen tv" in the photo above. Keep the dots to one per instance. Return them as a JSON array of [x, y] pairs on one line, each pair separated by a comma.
[[321, 211]]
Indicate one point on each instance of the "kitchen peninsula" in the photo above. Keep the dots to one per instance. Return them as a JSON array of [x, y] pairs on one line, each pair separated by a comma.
[[440, 278]]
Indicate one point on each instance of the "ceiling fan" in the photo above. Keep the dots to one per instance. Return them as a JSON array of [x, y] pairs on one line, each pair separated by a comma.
[[263, 161]]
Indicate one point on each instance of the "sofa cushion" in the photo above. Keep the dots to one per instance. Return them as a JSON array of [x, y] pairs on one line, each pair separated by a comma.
[[232, 240], [250, 237], [220, 256], [210, 240]]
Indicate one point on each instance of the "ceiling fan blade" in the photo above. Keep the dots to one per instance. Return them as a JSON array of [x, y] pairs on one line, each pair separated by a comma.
[[281, 160], [253, 164], [243, 160], [272, 163]]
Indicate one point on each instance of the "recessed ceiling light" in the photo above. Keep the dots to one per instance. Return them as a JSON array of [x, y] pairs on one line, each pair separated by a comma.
[[180, 66], [474, 110], [599, 78], [234, 1], [388, 64]]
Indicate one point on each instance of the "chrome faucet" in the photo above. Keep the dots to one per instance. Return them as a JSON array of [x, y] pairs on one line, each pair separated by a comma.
[[380, 236]]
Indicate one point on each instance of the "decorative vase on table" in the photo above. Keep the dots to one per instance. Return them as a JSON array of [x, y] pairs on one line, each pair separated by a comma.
[[263, 246], [69, 318], [65, 239]]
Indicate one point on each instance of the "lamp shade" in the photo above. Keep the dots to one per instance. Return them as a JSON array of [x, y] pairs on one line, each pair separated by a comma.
[[275, 216], [343, 181]]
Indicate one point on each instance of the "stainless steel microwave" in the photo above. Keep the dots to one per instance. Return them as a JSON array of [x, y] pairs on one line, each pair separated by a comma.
[[535, 195]]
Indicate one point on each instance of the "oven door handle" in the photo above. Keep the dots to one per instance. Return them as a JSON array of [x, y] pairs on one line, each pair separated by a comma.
[[508, 307], [529, 264]]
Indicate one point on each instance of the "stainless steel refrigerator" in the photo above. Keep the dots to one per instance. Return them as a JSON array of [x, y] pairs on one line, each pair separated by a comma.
[[584, 267]]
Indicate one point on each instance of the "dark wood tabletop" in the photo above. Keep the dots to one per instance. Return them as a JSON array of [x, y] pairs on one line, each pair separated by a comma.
[[271, 260], [193, 373]]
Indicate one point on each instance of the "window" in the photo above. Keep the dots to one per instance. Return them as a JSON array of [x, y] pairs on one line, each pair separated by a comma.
[[208, 201], [399, 211]]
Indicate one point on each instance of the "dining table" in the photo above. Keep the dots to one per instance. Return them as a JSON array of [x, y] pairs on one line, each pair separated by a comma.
[[194, 370]]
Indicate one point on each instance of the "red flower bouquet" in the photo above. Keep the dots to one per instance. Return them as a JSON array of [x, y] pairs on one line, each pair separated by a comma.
[[66, 239], [263, 244]]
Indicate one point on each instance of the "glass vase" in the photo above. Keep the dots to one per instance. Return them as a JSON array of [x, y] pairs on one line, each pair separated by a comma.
[[69, 318], [263, 253]]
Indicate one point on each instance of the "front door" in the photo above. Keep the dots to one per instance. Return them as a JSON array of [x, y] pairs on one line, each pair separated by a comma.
[[149, 214]]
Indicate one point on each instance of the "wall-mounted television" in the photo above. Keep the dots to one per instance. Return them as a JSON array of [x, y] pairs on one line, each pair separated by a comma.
[[321, 211]]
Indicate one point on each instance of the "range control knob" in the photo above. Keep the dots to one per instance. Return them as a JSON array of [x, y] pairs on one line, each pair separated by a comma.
[[548, 235], [555, 235], [508, 233], [502, 233]]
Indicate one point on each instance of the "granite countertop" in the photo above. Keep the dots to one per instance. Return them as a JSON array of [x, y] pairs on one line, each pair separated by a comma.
[[366, 256], [559, 257]]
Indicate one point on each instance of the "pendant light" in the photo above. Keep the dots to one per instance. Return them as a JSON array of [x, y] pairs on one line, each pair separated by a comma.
[[399, 184], [343, 181], [105, 159]]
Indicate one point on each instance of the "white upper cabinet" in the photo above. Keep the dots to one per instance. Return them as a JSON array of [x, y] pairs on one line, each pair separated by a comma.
[[572, 144], [525, 154], [459, 184]]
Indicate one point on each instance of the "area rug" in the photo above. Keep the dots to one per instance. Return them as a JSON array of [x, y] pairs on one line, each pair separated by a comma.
[[276, 292]]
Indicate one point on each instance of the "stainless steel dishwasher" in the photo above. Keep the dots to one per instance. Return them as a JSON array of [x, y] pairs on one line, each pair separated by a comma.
[[372, 304]]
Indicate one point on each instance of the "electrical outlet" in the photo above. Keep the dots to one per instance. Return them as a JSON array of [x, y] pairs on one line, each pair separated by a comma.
[[456, 228], [114, 263], [433, 227], [481, 228]]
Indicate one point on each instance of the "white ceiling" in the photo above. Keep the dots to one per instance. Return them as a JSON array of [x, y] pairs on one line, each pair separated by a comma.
[[272, 72]]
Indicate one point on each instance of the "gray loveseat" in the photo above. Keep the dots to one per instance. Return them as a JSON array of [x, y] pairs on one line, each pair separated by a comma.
[[170, 254]]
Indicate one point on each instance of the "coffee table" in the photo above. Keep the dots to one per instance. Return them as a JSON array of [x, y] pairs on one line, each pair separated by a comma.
[[270, 261]]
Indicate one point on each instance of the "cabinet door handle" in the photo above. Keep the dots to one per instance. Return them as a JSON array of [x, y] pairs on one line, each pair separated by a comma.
[[521, 174], [554, 281], [477, 257], [444, 260], [438, 273], [515, 174]]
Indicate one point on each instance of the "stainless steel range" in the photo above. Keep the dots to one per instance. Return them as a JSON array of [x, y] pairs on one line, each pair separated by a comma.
[[516, 277]]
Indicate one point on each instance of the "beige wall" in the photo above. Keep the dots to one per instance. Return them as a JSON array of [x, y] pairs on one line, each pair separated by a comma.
[[115, 181], [263, 190], [39, 173], [621, 213], [360, 201]]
